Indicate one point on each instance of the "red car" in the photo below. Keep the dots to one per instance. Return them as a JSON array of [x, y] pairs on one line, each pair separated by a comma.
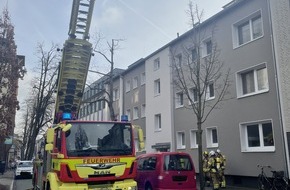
[[165, 171]]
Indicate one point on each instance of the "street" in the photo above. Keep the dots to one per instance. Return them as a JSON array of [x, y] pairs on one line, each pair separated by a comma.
[[22, 184]]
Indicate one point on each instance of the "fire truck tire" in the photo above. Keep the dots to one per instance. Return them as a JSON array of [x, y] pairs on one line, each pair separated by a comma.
[[47, 186], [148, 187]]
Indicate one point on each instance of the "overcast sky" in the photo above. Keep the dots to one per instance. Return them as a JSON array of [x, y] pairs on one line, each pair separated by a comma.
[[145, 26]]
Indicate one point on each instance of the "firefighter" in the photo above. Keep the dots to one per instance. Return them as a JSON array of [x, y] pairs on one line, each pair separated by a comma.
[[205, 168], [213, 169], [221, 171]]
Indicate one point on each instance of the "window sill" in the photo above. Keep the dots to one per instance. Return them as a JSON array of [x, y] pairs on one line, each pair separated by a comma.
[[180, 106], [253, 94], [156, 95], [236, 46], [213, 146], [259, 149]]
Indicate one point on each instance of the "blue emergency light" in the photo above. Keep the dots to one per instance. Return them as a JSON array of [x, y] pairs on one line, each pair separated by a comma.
[[124, 117], [66, 116]]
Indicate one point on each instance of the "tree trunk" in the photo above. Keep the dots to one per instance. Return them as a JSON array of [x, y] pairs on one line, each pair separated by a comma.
[[200, 159]]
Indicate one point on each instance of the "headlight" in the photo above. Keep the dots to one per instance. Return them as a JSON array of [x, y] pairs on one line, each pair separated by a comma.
[[132, 188]]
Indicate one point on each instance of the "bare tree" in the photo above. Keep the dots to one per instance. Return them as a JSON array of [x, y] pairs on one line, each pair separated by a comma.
[[39, 108], [112, 47], [197, 77]]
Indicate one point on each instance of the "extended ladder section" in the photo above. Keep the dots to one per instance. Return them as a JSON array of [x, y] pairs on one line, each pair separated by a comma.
[[76, 57]]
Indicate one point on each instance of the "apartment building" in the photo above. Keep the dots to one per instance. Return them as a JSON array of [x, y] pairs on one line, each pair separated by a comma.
[[134, 93], [252, 127], [94, 106]]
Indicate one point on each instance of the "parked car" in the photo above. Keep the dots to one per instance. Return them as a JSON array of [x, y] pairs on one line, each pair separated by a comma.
[[24, 168], [165, 170]]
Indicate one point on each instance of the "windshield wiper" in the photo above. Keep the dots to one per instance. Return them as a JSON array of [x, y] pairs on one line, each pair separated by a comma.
[[118, 151], [87, 152]]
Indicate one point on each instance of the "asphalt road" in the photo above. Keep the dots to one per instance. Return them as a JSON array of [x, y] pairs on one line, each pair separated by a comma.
[[22, 184]]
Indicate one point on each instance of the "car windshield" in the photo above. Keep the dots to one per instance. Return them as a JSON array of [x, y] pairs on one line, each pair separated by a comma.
[[25, 164], [99, 139], [177, 162]]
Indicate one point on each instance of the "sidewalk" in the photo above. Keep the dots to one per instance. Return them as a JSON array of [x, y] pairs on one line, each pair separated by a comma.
[[227, 188], [6, 180]]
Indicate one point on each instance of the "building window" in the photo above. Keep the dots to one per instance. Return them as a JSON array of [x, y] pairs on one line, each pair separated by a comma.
[[207, 47], [193, 94], [248, 29], [194, 54], [128, 86], [143, 110], [135, 113], [193, 139], [180, 140], [157, 87], [179, 100], [209, 91], [116, 94], [178, 61], [157, 121], [135, 82], [211, 137], [156, 64], [257, 136], [143, 78], [252, 81], [128, 113], [95, 106]]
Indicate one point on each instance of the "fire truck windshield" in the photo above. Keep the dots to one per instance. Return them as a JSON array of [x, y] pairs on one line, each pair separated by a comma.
[[99, 139]]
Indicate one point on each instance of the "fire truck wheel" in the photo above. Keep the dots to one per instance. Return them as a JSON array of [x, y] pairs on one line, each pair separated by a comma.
[[47, 186]]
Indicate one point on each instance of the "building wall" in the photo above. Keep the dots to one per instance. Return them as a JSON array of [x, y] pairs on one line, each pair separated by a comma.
[[158, 104], [280, 20], [271, 49], [238, 110], [134, 95]]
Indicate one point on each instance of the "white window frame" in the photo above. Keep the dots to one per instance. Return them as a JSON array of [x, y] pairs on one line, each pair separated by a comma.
[[116, 94], [143, 78], [239, 81], [157, 122], [179, 99], [135, 82], [205, 51], [156, 64], [210, 138], [128, 113], [157, 87], [178, 62], [128, 86], [180, 140], [143, 110], [193, 138], [135, 113], [192, 92], [208, 95], [244, 137], [194, 54], [235, 26]]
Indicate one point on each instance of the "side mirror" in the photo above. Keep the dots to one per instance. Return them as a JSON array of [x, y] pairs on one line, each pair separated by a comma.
[[66, 127], [141, 139], [49, 147], [50, 136]]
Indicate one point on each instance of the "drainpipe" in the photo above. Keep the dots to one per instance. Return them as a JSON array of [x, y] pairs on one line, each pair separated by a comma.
[[283, 133]]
